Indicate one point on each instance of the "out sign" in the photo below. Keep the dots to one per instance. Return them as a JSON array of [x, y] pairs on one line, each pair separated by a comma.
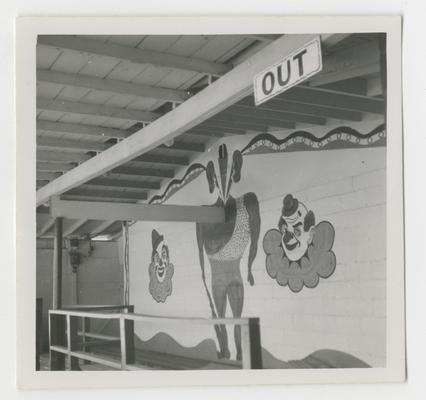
[[293, 69]]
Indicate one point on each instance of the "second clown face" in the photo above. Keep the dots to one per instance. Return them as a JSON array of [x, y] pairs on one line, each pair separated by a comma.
[[161, 262], [295, 239]]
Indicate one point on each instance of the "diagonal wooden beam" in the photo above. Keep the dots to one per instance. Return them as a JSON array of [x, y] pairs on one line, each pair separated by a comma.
[[134, 55], [80, 129], [230, 88], [101, 227], [43, 155], [53, 166], [74, 107], [105, 211], [84, 146], [46, 227], [73, 227], [112, 86]]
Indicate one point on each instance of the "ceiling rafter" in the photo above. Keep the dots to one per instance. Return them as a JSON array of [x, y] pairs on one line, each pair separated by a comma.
[[112, 86], [90, 130], [118, 182], [71, 144], [53, 156], [89, 191], [74, 226], [147, 172], [74, 107], [53, 166], [135, 55]]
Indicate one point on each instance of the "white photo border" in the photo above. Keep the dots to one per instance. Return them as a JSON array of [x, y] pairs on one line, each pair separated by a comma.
[[27, 29]]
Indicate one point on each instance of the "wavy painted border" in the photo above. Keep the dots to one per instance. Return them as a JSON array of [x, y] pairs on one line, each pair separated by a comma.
[[191, 173], [342, 136], [303, 140]]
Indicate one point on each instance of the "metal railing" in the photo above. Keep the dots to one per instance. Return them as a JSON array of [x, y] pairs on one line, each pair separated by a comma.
[[64, 336]]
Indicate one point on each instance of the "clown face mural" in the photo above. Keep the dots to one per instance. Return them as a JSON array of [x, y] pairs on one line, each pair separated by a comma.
[[160, 269], [296, 225], [299, 252]]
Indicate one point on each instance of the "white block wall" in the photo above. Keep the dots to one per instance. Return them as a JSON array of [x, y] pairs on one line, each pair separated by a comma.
[[345, 312]]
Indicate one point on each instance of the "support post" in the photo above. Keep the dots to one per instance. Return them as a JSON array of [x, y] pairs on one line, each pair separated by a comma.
[[39, 311], [57, 322], [57, 265], [123, 346], [251, 345], [129, 328], [85, 327]]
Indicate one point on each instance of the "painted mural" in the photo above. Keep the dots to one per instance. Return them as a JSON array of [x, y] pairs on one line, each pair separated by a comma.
[[299, 252], [224, 244], [337, 138], [161, 270]]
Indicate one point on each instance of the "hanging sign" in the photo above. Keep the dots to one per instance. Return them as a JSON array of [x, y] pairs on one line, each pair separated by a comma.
[[293, 69]]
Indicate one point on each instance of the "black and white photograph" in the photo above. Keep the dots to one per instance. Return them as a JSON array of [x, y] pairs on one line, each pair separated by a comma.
[[215, 201]]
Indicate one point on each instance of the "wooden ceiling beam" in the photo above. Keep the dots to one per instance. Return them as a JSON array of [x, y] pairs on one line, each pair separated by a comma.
[[80, 129], [47, 176], [112, 86], [53, 166], [89, 191], [334, 99], [74, 107], [162, 159], [101, 228], [230, 88], [135, 212], [332, 39], [185, 146], [43, 155], [251, 118], [118, 182], [46, 227], [71, 144], [352, 62], [275, 110], [74, 226], [147, 172], [228, 125], [132, 54]]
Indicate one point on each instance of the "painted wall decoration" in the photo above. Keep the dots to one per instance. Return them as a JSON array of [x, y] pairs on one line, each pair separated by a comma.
[[299, 252], [340, 137], [224, 244], [337, 138], [161, 270]]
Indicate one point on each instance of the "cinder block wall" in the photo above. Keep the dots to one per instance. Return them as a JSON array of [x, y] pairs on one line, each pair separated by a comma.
[[345, 312]]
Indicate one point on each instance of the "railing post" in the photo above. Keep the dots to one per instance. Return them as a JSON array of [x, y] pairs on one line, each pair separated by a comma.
[[123, 342], [85, 327], [72, 339], [129, 328], [251, 344], [39, 311], [57, 337]]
